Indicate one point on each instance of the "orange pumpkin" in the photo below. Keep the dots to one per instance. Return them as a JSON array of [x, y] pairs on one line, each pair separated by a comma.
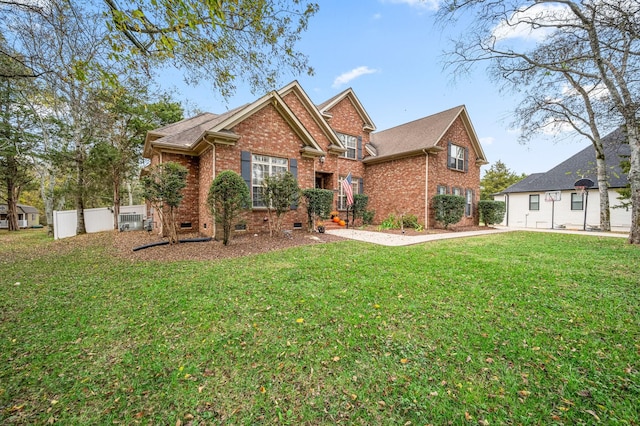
[[342, 223], [336, 219]]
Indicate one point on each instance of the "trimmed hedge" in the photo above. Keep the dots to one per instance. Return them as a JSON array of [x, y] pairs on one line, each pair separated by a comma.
[[319, 203], [448, 208], [491, 212]]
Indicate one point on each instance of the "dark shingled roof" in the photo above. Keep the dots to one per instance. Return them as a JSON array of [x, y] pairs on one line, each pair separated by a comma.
[[416, 135], [582, 165], [21, 208]]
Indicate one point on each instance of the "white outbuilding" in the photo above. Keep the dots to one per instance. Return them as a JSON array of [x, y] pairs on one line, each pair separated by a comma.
[[551, 200]]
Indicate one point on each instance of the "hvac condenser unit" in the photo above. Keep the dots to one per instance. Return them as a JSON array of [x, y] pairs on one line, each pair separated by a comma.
[[130, 221]]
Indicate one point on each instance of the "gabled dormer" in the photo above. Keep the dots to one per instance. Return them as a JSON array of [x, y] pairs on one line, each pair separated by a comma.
[[351, 122]]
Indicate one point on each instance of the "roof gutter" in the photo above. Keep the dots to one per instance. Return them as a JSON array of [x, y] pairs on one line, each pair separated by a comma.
[[432, 150]]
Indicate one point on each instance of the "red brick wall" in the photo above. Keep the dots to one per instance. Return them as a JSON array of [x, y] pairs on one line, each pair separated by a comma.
[[396, 187], [295, 104], [345, 119], [439, 174], [267, 133], [205, 219]]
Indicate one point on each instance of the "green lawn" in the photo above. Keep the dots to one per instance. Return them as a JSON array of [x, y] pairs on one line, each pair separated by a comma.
[[516, 328]]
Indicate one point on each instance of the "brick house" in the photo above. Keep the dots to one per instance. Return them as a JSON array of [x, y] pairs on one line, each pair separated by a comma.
[[400, 169]]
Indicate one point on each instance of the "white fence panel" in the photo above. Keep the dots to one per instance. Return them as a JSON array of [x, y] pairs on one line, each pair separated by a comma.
[[98, 220], [95, 220], [64, 224]]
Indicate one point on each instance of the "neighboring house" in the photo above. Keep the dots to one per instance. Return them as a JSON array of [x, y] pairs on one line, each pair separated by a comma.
[[400, 169], [529, 205], [28, 216]]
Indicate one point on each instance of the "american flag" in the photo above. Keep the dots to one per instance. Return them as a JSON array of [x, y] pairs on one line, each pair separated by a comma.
[[348, 191]]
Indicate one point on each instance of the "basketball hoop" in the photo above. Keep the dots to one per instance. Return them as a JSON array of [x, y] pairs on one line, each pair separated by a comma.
[[583, 186]]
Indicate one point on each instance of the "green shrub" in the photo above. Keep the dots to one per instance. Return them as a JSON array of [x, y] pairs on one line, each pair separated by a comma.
[[491, 212], [367, 217], [228, 196], [410, 221], [163, 189], [319, 203], [448, 209], [390, 222], [280, 194], [396, 222], [360, 202]]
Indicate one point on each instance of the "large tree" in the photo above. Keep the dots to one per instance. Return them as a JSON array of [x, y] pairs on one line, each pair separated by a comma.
[[129, 114], [64, 40], [561, 101], [497, 178], [222, 42], [16, 141], [605, 46]]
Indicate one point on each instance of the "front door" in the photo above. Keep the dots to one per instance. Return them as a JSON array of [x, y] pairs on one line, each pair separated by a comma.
[[323, 180]]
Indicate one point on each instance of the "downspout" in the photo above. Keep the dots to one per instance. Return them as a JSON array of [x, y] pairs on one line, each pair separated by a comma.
[[426, 188], [213, 176], [506, 197]]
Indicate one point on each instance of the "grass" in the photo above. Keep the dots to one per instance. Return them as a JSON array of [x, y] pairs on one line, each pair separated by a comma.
[[517, 328]]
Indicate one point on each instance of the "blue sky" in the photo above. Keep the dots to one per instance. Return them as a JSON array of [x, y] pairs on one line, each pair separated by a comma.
[[390, 52]]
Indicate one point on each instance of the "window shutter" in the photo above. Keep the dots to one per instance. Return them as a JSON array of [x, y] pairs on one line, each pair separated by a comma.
[[293, 168], [245, 167], [466, 159], [449, 155], [361, 186], [359, 147]]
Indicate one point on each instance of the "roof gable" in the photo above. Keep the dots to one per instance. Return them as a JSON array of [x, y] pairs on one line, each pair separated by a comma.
[[295, 88], [193, 135], [325, 107], [581, 165], [423, 134]]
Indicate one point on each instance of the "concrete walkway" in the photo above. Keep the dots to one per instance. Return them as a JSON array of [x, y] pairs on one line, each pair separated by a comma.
[[395, 240]]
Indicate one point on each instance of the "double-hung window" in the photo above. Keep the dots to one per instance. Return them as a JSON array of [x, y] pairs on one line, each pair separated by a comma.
[[351, 143], [442, 190], [468, 207], [457, 157], [534, 202], [261, 167], [342, 197], [576, 201]]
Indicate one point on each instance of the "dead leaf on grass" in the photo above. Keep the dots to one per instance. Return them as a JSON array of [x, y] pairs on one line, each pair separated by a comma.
[[595, 416]]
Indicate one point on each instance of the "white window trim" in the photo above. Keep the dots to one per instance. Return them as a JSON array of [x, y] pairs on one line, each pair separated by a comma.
[[273, 164], [351, 143], [457, 153], [342, 197]]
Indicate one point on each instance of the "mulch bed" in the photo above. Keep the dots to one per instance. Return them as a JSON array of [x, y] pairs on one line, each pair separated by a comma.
[[240, 245]]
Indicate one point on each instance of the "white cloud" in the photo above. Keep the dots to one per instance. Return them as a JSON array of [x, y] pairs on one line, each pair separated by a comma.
[[489, 140], [596, 93], [352, 75], [418, 4], [377, 16], [519, 24]]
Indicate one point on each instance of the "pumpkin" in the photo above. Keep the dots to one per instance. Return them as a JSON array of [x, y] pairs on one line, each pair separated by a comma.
[[336, 219], [342, 223]]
